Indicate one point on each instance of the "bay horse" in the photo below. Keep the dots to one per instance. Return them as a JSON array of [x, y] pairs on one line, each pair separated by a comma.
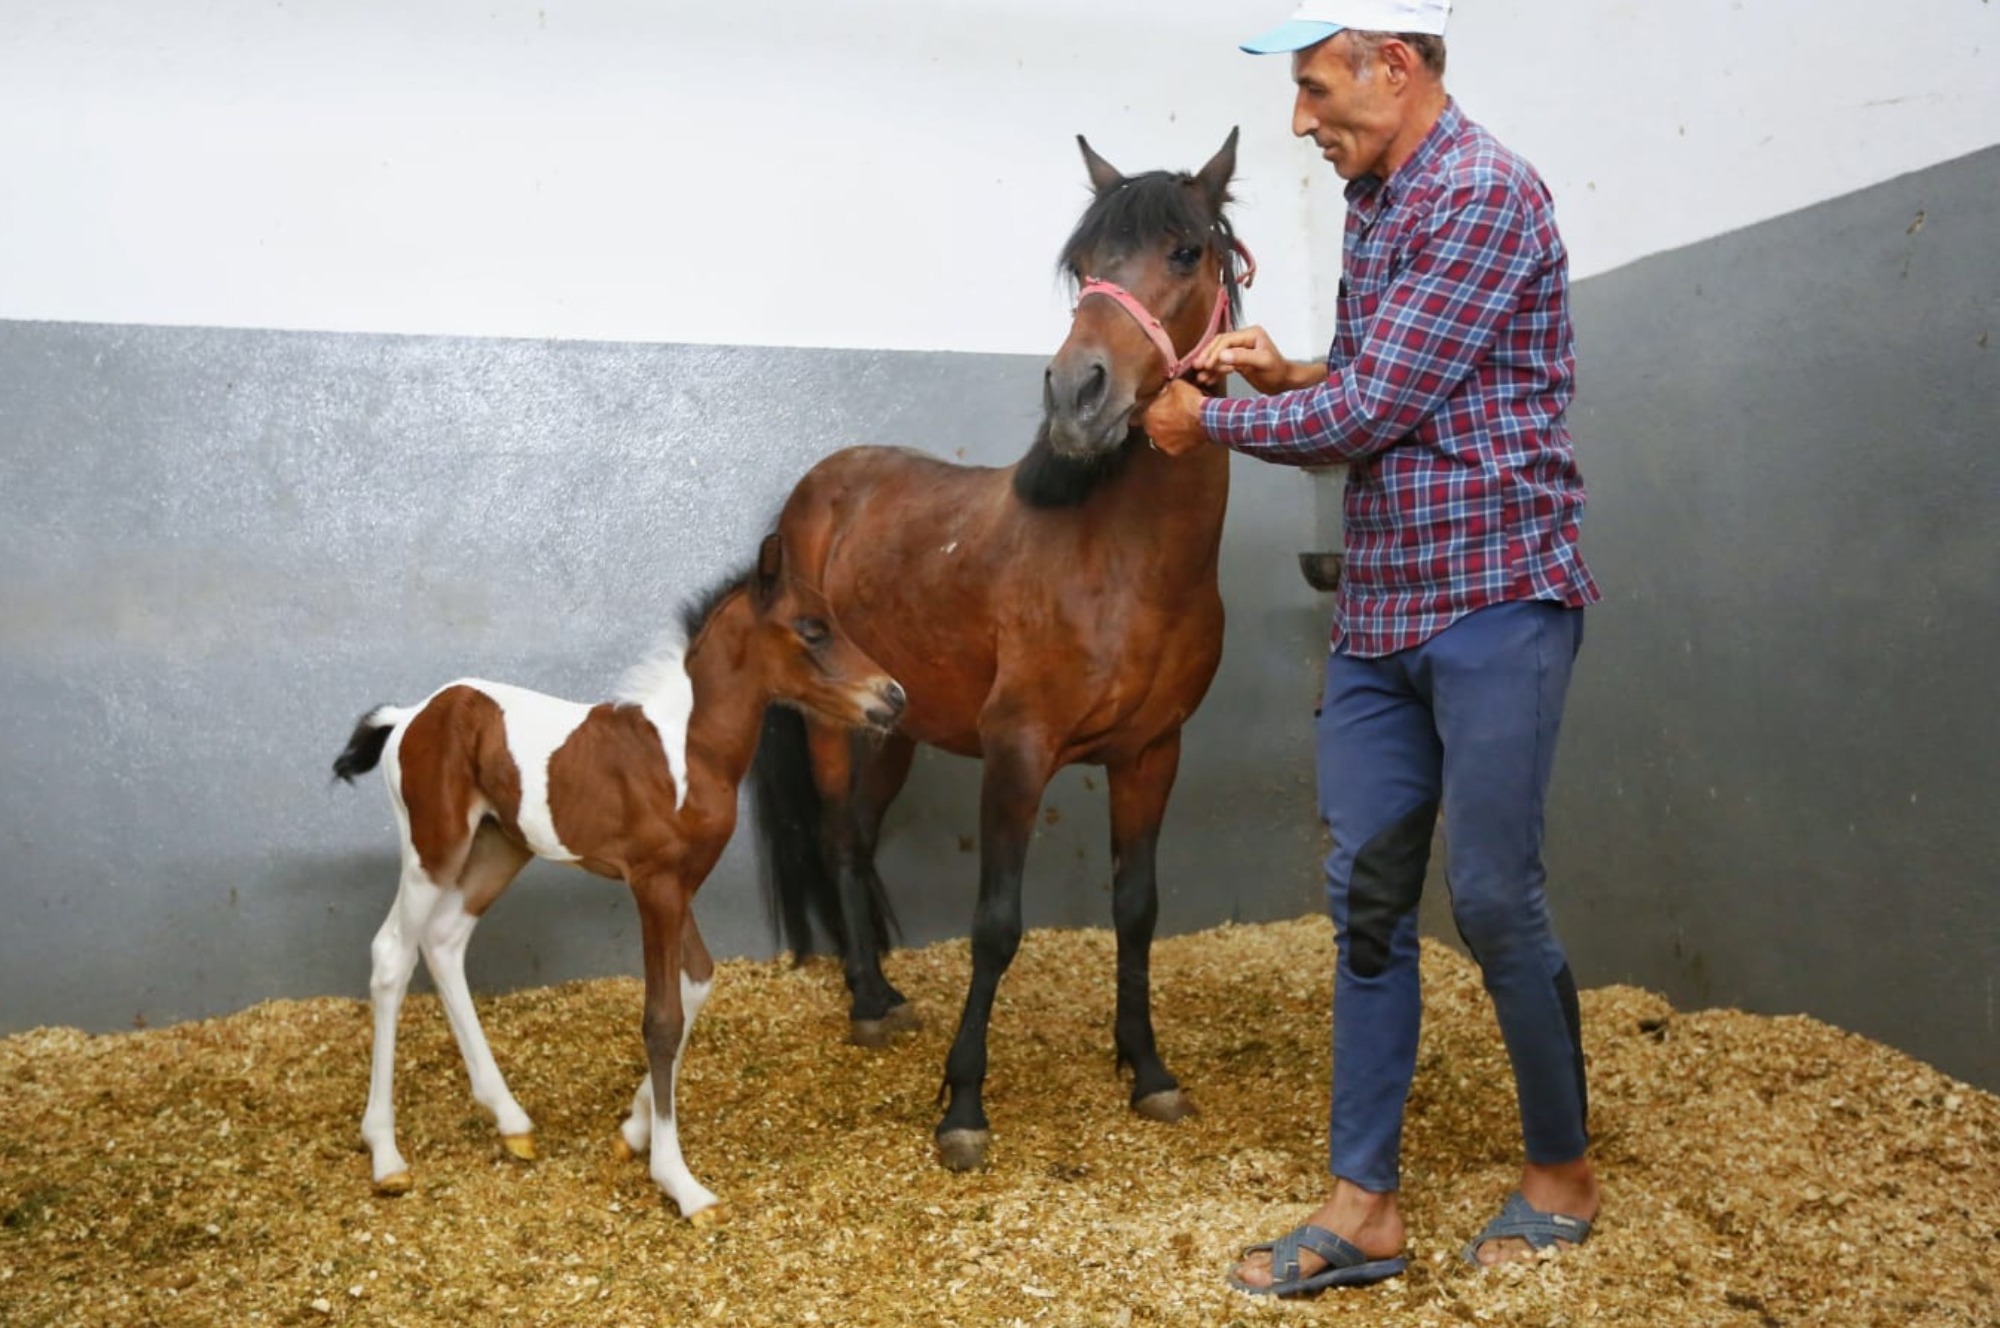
[[1061, 610], [485, 776]]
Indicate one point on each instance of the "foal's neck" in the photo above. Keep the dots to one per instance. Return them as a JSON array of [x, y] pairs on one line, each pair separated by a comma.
[[729, 695]]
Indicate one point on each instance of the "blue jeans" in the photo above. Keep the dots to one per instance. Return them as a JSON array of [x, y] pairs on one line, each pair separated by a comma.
[[1468, 719]]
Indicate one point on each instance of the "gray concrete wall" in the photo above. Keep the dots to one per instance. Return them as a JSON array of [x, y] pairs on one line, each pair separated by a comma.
[[1779, 760], [221, 546], [1778, 782]]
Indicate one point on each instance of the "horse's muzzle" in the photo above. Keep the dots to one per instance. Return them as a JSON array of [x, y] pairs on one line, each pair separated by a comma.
[[1087, 412]]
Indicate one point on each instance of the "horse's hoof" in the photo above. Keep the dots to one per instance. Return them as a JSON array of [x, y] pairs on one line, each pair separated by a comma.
[[963, 1150], [1169, 1105], [519, 1145], [710, 1216], [620, 1150], [396, 1183], [879, 1033]]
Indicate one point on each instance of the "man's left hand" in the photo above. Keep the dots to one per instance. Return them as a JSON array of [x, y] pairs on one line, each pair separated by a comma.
[[1173, 421]]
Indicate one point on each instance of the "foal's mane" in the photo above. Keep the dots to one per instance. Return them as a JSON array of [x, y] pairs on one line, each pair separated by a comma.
[[699, 608], [665, 663], [1136, 213]]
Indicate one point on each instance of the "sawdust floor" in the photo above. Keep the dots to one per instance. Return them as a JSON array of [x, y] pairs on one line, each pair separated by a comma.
[[1758, 1171]]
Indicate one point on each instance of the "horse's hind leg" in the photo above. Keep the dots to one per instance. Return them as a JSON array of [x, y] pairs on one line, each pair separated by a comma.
[[491, 863], [1139, 790], [393, 958], [859, 776]]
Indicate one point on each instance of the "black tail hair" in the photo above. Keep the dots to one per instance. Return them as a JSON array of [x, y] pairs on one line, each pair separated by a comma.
[[364, 749], [799, 888]]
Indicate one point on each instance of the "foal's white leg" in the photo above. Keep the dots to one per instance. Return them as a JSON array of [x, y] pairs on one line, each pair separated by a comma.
[[446, 934], [669, 1169], [636, 1134], [394, 956]]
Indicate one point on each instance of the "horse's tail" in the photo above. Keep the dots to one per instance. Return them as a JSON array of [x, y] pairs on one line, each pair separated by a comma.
[[799, 885], [371, 734]]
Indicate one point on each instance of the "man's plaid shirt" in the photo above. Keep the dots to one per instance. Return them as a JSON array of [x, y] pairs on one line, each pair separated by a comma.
[[1446, 386]]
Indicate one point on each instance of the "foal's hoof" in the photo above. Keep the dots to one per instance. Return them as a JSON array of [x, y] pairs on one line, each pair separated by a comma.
[[519, 1145], [879, 1033], [394, 1184], [1169, 1105], [620, 1150], [963, 1150], [710, 1216]]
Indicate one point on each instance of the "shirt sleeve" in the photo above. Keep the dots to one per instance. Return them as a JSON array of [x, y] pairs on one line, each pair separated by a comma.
[[1464, 273]]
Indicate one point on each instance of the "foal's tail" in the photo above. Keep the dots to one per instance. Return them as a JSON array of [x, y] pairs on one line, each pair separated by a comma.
[[371, 734], [799, 884]]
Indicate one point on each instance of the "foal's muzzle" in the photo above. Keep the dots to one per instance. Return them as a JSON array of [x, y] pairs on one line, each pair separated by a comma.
[[889, 704]]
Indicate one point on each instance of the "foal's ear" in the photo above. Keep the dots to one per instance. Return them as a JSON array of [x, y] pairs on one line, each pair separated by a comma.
[[1214, 177], [1104, 177], [770, 558]]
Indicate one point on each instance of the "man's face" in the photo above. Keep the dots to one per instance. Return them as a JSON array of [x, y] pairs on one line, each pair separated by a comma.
[[1352, 117]]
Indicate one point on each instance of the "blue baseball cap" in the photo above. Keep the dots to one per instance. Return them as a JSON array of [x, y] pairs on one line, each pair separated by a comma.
[[1316, 20]]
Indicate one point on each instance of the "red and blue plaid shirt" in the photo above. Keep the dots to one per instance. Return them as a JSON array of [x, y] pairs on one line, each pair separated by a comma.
[[1445, 391]]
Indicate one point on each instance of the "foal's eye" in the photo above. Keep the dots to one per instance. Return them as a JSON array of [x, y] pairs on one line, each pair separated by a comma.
[[1185, 256], [812, 631]]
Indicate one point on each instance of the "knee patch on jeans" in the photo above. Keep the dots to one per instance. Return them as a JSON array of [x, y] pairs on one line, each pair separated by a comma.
[[1386, 882]]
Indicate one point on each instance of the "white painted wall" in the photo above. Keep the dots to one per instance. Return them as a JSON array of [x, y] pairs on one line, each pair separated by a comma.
[[857, 173]]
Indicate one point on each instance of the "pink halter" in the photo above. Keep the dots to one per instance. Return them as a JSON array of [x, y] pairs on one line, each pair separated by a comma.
[[1218, 322]]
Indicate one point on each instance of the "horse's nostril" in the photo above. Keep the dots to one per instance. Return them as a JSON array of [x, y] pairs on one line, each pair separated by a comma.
[[1090, 392], [897, 697]]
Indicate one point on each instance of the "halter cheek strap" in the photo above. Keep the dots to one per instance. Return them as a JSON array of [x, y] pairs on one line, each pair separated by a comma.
[[1218, 322]]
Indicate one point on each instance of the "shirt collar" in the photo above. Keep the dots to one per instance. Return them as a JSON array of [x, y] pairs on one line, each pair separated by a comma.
[[1370, 194]]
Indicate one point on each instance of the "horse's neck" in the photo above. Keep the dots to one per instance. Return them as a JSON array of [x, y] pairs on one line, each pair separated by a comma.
[[1176, 502], [728, 709]]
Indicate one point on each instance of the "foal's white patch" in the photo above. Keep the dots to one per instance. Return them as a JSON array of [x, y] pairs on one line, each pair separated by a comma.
[[537, 724], [659, 685]]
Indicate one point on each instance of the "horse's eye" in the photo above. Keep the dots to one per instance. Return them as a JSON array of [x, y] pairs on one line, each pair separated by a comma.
[[812, 631], [1185, 256]]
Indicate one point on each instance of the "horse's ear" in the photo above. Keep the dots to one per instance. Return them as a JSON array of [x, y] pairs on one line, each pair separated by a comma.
[[1104, 177], [1214, 177], [770, 558]]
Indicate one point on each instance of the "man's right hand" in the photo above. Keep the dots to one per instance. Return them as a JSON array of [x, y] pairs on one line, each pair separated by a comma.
[[1249, 351]]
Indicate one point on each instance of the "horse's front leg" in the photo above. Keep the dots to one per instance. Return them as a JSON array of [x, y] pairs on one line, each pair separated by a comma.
[[1009, 795], [678, 977], [1139, 789]]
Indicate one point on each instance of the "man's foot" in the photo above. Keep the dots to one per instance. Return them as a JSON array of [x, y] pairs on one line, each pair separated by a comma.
[[1370, 1222], [1567, 1190]]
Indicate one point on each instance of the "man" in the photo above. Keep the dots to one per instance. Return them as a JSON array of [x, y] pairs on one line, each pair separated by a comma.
[[1459, 611]]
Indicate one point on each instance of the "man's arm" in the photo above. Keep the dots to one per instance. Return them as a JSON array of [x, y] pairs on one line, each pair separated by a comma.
[[1434, 325]]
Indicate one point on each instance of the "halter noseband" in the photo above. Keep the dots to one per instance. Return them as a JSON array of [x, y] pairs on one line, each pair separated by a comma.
[[1218, 322]]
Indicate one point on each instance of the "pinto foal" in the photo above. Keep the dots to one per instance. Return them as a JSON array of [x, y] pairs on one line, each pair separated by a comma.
[[485, 776]]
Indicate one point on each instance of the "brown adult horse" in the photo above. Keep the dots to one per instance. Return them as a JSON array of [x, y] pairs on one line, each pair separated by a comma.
[[1057, 611]]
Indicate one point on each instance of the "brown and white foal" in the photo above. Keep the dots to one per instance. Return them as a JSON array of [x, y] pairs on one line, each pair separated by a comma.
[[485, 776]]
